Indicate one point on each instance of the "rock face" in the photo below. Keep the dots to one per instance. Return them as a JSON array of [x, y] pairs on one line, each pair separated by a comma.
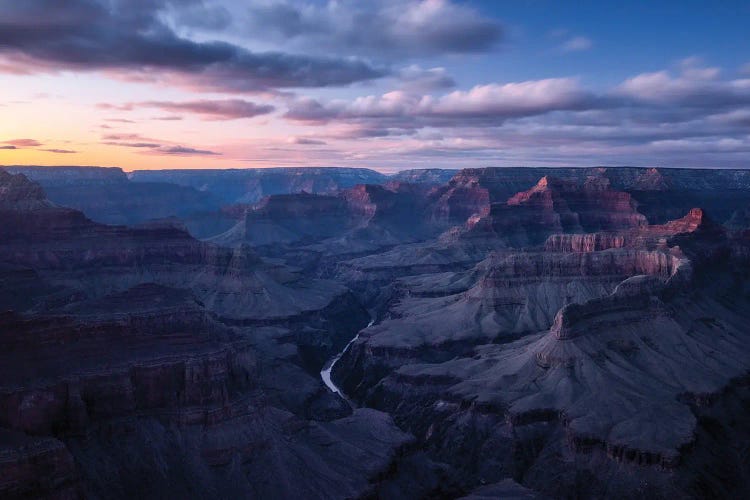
[[434, 176], [503, 362], [662, 194], [251, 185], [106, 195], [527, 219], [292, 218], [556, 206], [362, 219], [501, 333], [146, 363]]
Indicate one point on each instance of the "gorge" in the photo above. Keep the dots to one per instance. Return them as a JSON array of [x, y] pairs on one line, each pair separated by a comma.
[[478, 333]]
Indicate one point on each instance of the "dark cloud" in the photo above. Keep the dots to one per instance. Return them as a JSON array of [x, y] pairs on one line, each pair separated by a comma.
[[228, 109], [23, 143], [221, 109], [425, 80], [150, 145], [185, 151], [8, 147], [367, 132], [381, 29], [59, 151], [130, 39], [125, 137], [306, 141], [153, 146], [197, 14], [131, 141]]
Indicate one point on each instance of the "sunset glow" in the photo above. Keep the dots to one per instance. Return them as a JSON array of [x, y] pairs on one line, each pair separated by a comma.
[[386, 85]]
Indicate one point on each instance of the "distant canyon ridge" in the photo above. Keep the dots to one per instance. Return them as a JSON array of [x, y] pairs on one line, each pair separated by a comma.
[[493, 333]]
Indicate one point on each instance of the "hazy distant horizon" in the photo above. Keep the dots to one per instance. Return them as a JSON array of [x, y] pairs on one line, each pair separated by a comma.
[[376, 169]]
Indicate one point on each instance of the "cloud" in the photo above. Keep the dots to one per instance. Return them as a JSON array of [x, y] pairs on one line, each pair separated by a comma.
[[515, 99], [200, 15], [169, 118], [229, 109], [414, 78], [577, 44], [115, 120], [131, 141], [23, 143], [150, 145], [694, 87], [131, 40], [382, 29], [154, 146], [8, 147], [125, 137], [687, 115], [694, 102], [734, 117], [185, 151], [226, 109], [491, 103], [59, 151], [305, 141]]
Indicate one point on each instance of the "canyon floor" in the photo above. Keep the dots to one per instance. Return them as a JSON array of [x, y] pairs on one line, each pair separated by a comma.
[[340, 333]]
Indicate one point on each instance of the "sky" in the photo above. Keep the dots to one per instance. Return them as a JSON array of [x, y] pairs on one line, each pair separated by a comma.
[[384, 84]]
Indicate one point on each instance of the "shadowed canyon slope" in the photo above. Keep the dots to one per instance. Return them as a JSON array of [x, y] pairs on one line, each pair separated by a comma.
[[497, 333]]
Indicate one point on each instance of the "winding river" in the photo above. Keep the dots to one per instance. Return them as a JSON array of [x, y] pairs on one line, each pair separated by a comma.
[[325, 373]]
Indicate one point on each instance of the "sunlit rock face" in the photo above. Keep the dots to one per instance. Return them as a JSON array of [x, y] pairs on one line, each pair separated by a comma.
[[462, 359], [499, 332]]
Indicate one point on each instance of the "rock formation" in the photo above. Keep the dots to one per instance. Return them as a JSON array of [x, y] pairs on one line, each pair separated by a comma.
[[146, 363], [497, 333]]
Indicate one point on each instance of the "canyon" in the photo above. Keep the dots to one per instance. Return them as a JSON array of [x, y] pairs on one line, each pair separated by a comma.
[[342, 333]]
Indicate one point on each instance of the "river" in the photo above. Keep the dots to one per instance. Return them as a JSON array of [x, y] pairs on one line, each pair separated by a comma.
[[325, 373]]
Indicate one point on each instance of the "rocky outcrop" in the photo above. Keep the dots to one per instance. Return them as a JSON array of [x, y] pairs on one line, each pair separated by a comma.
[[527, 219], [63, 245], [651, 179], [127, 397], [290, 219], [17, 194], [533, 337], [509, 294], [147, 363], [461, 199], [556, 206], [456, 354], [587, 242], [37, 467], [107, 196], [612, 382], [362, 219], [424, 176], [506, 181], [506, 489]]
